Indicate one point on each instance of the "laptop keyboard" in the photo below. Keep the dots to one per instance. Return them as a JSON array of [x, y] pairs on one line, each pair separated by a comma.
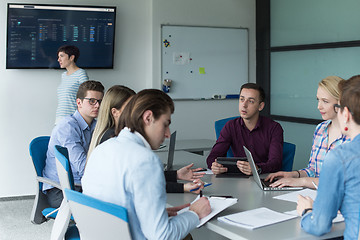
[[267, 184]]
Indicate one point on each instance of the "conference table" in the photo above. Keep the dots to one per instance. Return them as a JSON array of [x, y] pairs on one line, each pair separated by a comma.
[[249, 196]]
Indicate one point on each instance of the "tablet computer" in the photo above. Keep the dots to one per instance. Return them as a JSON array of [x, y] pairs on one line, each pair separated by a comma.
[[230, 164], [230, 161]]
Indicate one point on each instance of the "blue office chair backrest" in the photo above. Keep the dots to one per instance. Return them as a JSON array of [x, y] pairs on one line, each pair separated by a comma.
[[64, 168], [38, 148], [219, 124], [97, 219], [288, 156]]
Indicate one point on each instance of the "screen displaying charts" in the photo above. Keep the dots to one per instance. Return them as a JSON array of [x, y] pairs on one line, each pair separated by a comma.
[[35, 32]]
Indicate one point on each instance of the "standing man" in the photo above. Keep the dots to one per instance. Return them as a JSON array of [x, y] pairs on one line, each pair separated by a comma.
[[73, 132], [261, 135]]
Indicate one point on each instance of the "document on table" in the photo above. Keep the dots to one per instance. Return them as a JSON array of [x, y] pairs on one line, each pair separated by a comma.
[[293, 196], [255, 218], [339, 217], [217, 204]]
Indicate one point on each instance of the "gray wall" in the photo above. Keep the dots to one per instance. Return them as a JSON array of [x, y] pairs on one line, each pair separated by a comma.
[[29, 96]]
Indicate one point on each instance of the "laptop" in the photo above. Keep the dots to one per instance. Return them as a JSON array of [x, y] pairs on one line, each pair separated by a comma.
[[264, 185], [168, 166]]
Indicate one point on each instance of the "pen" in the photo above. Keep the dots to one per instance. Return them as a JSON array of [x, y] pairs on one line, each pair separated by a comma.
[[205, 185], [221, 196], [202, 170], [316, 187]]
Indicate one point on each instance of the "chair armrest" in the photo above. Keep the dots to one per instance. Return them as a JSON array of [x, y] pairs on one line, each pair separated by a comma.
[[48, 181]]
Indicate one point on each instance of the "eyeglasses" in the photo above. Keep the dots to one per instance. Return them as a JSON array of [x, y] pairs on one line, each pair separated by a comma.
[[337, 107], [93, 101]]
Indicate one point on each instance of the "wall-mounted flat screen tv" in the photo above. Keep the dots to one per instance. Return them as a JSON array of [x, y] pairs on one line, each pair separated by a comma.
[[36, 31]]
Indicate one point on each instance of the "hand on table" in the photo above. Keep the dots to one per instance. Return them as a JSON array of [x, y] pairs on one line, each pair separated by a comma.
[[292, 182], [201, 207], [303, 203], [271, 177]]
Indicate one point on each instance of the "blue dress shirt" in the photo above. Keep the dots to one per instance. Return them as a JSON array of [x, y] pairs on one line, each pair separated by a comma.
[[125, 171], [339, 189], [75, 134]]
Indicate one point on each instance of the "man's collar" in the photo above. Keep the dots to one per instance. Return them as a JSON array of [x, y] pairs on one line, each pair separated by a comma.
[[258, 124], [82, 123]]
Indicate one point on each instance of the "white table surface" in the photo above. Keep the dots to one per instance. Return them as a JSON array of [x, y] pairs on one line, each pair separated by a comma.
[[250, 196]]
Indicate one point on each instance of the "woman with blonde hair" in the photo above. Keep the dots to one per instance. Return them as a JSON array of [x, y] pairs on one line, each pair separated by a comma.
[[326, 137], [112, 105], [339, 179]]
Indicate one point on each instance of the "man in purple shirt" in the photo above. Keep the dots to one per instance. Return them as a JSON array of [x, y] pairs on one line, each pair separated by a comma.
[[261, 135]]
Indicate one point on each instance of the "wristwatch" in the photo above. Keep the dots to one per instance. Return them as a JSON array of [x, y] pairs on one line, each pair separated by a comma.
[[305, 211]]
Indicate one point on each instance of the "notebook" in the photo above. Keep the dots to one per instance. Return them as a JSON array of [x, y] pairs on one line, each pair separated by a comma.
[[168, 166], [218, 204], [264, 185]]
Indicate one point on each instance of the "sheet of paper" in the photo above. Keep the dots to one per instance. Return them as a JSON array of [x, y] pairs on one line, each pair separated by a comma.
[[255, 218], [339, 217], [217, 205], [293, 196], [208, 171]]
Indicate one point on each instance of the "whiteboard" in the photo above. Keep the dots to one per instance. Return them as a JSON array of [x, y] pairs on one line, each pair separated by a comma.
[[204, 61]]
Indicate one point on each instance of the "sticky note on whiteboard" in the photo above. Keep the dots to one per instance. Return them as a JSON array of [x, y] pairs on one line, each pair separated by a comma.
[[201, 70]]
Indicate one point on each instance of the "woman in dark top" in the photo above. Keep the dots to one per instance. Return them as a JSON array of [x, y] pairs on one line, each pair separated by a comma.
[[112, 105]]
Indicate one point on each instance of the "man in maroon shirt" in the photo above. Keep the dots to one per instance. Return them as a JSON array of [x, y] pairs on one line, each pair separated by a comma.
[[261, 135]]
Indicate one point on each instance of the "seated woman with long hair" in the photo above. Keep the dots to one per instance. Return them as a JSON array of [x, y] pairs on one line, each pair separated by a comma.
[[112, 105], [340, 179], [327, 136], [125, 171]]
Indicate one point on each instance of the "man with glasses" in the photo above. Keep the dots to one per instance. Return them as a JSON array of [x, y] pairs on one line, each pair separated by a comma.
[[261, 135], [73, 132]]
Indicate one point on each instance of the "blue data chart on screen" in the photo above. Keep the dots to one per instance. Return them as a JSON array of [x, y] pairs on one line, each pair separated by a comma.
[[35, 32]]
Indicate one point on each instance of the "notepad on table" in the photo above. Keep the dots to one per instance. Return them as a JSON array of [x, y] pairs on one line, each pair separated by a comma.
[[255, 218], [293, 196], [217, 204]]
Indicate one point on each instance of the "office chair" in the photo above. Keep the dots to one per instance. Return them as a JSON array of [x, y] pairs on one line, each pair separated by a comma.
[[288, 148], [219, 124], [41, 210], [97, 219], [61, 225], [288, 156]]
